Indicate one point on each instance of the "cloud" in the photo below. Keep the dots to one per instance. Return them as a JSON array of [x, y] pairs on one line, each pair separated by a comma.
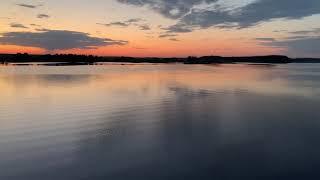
[[27, 5], [57, 40], [167, 35], [191, 15], [173, 39], [43, 16], [265, 39], [42, 29], [134, 20], [18, 25], [129, 22], [169, 8], [123, 23], [297, 45], [170, 37], [278, 31], [297, 37], [144, 27], [179, 28], [36, 25], [118, 23], [312, 31], [252, 14]]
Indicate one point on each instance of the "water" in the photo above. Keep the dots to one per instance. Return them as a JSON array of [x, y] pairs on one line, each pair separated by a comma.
[[160, 122]]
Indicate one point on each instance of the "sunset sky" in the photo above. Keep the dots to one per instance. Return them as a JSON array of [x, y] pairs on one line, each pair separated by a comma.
[[162, 28]]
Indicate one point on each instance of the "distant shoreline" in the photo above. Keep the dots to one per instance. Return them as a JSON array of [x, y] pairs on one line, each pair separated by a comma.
[[72, 59]]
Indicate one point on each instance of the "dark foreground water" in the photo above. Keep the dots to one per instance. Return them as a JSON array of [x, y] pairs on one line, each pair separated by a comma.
[[160, 122]]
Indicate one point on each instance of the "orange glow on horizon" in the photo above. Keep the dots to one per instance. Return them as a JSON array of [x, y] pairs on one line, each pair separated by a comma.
[[159, 49], [12, 49]]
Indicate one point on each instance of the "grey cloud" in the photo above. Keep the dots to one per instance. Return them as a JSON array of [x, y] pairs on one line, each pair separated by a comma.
[[278, 31], [312, 31], [227, 26], [42, 29], [167, 35], [134, 20], [246, 16], [27, 5], [298, 37], [57, 40], [301, 32], [129, 22], [169, 8], [123, 23], [170, 37], [265, 10], [179, 28], [144, 27], [18, 25], [297, 45], [118, 23], [265, 39], [43, 16], [254, 13], [37, 25]]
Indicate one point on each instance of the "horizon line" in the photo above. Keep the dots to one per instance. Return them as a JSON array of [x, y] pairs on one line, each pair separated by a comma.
[[162, 57]]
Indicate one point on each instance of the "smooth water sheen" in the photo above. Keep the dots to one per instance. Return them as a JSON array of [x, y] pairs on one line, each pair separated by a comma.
[[160, 122]]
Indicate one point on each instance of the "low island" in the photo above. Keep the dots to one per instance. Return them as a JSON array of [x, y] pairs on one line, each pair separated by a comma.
[[72, 59]]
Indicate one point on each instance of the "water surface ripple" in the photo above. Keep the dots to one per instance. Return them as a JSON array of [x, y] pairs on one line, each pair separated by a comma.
[[160, 122]]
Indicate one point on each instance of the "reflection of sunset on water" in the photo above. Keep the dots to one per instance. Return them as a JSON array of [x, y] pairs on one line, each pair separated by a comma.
[[153, 115], [146, 79]]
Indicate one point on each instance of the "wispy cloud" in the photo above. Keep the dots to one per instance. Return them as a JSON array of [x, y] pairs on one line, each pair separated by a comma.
[[179, 28], [41, 16], [265, 39], [36, 25], [167, 35], [122, 23], [312, 31], [18, 25], [42, 29], [28, 5], [144, 27], [118, 23], [134, 20], [297, 37], [130, 22]]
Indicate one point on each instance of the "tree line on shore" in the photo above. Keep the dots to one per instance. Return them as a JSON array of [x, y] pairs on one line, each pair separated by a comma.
[[91, 59]]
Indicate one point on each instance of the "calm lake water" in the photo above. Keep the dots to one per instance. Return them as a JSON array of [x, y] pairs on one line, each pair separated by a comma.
[[160, 122]]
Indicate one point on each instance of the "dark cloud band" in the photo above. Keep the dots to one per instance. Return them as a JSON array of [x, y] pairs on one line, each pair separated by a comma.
[[189, 16], [57, 40], [27, 5]]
